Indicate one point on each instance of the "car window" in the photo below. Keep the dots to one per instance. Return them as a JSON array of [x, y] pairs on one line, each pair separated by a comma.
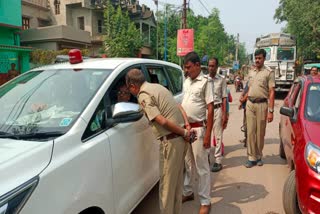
[[294, 94], [176, 79], [97, 122], [48, 100], [157, 75], [312, 109], [118, 91]]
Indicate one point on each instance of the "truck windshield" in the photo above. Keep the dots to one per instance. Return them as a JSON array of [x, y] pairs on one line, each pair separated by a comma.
[[285, 54], [268, 56], [312, 109], [47, 101]]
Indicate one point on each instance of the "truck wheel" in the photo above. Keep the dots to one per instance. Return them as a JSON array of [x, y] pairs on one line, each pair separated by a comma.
[[289, 195], [281, 150]]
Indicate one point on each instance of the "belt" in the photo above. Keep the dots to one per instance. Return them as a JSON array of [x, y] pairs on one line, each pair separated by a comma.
[[257, 100], [169, 136], [215, 106], [197, 124]]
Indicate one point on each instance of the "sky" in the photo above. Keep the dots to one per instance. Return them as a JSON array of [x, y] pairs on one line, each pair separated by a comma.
[[249, 18]]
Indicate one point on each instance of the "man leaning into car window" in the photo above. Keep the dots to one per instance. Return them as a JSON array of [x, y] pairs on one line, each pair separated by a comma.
[[167, 120]]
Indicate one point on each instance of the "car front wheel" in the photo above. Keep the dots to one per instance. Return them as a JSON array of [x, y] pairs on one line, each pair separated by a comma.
[[289, 195]]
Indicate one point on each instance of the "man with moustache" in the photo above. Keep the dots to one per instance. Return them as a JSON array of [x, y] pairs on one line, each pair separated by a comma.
[[260, 107], [198, 105]]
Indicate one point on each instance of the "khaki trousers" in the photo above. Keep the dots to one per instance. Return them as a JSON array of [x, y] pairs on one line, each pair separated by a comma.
[[217, 132], [256, 115], [172, 153], [197, 159]]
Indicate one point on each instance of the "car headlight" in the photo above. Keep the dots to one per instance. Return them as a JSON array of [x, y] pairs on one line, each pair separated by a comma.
[[12, 202], [312, 156]]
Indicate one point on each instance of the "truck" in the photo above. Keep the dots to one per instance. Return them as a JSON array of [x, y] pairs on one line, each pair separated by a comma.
[[281, 56]]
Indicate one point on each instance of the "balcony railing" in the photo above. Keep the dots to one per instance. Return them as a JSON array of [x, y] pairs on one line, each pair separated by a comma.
[[39, 3]]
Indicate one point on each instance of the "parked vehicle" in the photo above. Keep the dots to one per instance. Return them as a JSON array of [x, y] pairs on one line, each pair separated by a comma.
[[281, 57], [307, 67], [300, 145], [238, 84], [68, 146], [227, 74]]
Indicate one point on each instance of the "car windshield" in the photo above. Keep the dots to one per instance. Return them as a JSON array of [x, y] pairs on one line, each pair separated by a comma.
[[312, 109], [47, 101], [285, 53]]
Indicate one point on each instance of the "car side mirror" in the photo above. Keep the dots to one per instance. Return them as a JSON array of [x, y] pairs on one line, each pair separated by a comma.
[[287, 111], [125, 112]]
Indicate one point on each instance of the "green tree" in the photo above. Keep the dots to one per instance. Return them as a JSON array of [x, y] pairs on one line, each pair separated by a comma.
[[303, 21], [210, 37], [122, 38]]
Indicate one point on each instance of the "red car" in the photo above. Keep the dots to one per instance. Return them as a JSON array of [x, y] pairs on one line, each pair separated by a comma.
[[300, 145]]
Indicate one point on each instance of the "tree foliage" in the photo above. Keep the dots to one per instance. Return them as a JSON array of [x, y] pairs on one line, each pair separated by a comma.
[[210, 37], [40, 57], [303, 21], [122, 38]]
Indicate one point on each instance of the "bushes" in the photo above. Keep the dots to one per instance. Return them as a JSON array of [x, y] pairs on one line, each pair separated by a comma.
[[43, 57]]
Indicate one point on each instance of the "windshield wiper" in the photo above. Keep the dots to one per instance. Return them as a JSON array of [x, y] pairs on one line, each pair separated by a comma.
[[36, 135], [5, 133]]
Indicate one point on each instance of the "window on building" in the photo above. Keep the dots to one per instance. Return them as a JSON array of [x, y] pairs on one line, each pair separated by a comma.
[[43, 23], [57, 6], [25, 23], [81, 23], [99, 26]]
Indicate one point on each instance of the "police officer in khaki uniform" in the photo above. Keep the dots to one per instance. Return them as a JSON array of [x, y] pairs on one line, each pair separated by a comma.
[[220, 112], [198, 104], [259, 107], [167, 120]]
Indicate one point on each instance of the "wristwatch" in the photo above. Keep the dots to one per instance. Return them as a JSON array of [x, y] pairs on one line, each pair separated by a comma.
[[271, 110]]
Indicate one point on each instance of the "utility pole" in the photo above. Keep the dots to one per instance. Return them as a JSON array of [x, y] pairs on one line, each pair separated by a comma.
[[237, 47], [165, 34], [184, 15]]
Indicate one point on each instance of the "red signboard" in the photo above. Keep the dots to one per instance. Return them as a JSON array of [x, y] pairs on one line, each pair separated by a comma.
[[185, 42]]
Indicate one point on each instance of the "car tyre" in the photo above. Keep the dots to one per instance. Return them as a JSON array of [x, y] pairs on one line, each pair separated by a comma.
[[289, 195], [281, 150]]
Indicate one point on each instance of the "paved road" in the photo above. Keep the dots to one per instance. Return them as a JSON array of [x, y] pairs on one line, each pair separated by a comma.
[[237, 189]]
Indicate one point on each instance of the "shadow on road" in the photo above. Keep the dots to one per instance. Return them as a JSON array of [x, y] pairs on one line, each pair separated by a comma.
[[271, 141], [236, 161], [236, 193], [149, 202], [281, 95]]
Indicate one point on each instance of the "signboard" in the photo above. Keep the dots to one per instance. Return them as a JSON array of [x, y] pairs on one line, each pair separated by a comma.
[[185, 41], [235, 65]]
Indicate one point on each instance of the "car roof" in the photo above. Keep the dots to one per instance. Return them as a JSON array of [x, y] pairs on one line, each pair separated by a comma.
[[309, 79], [309, 66], [103, 63]]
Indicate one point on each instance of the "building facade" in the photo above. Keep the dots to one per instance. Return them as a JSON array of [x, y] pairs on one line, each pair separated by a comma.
[[10, 49], [60, 24]]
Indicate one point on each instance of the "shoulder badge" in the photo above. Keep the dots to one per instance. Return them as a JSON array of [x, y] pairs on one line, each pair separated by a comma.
[[143, 104]]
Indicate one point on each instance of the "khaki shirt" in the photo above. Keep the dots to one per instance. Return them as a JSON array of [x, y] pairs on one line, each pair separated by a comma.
[[260, 82], [157, 100], [220, 88], [198, 93]]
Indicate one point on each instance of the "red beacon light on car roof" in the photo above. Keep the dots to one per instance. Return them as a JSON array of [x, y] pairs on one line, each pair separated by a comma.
[[75, 56]]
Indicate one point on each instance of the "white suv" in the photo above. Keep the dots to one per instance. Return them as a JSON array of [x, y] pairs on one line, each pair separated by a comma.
[[67, 145]]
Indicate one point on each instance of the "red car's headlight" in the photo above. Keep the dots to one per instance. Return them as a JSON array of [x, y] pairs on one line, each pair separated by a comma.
[[312, 156]]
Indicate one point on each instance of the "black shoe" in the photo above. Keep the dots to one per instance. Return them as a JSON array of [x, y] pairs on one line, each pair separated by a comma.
[[259, 162], [216, 167], [250, 164]]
